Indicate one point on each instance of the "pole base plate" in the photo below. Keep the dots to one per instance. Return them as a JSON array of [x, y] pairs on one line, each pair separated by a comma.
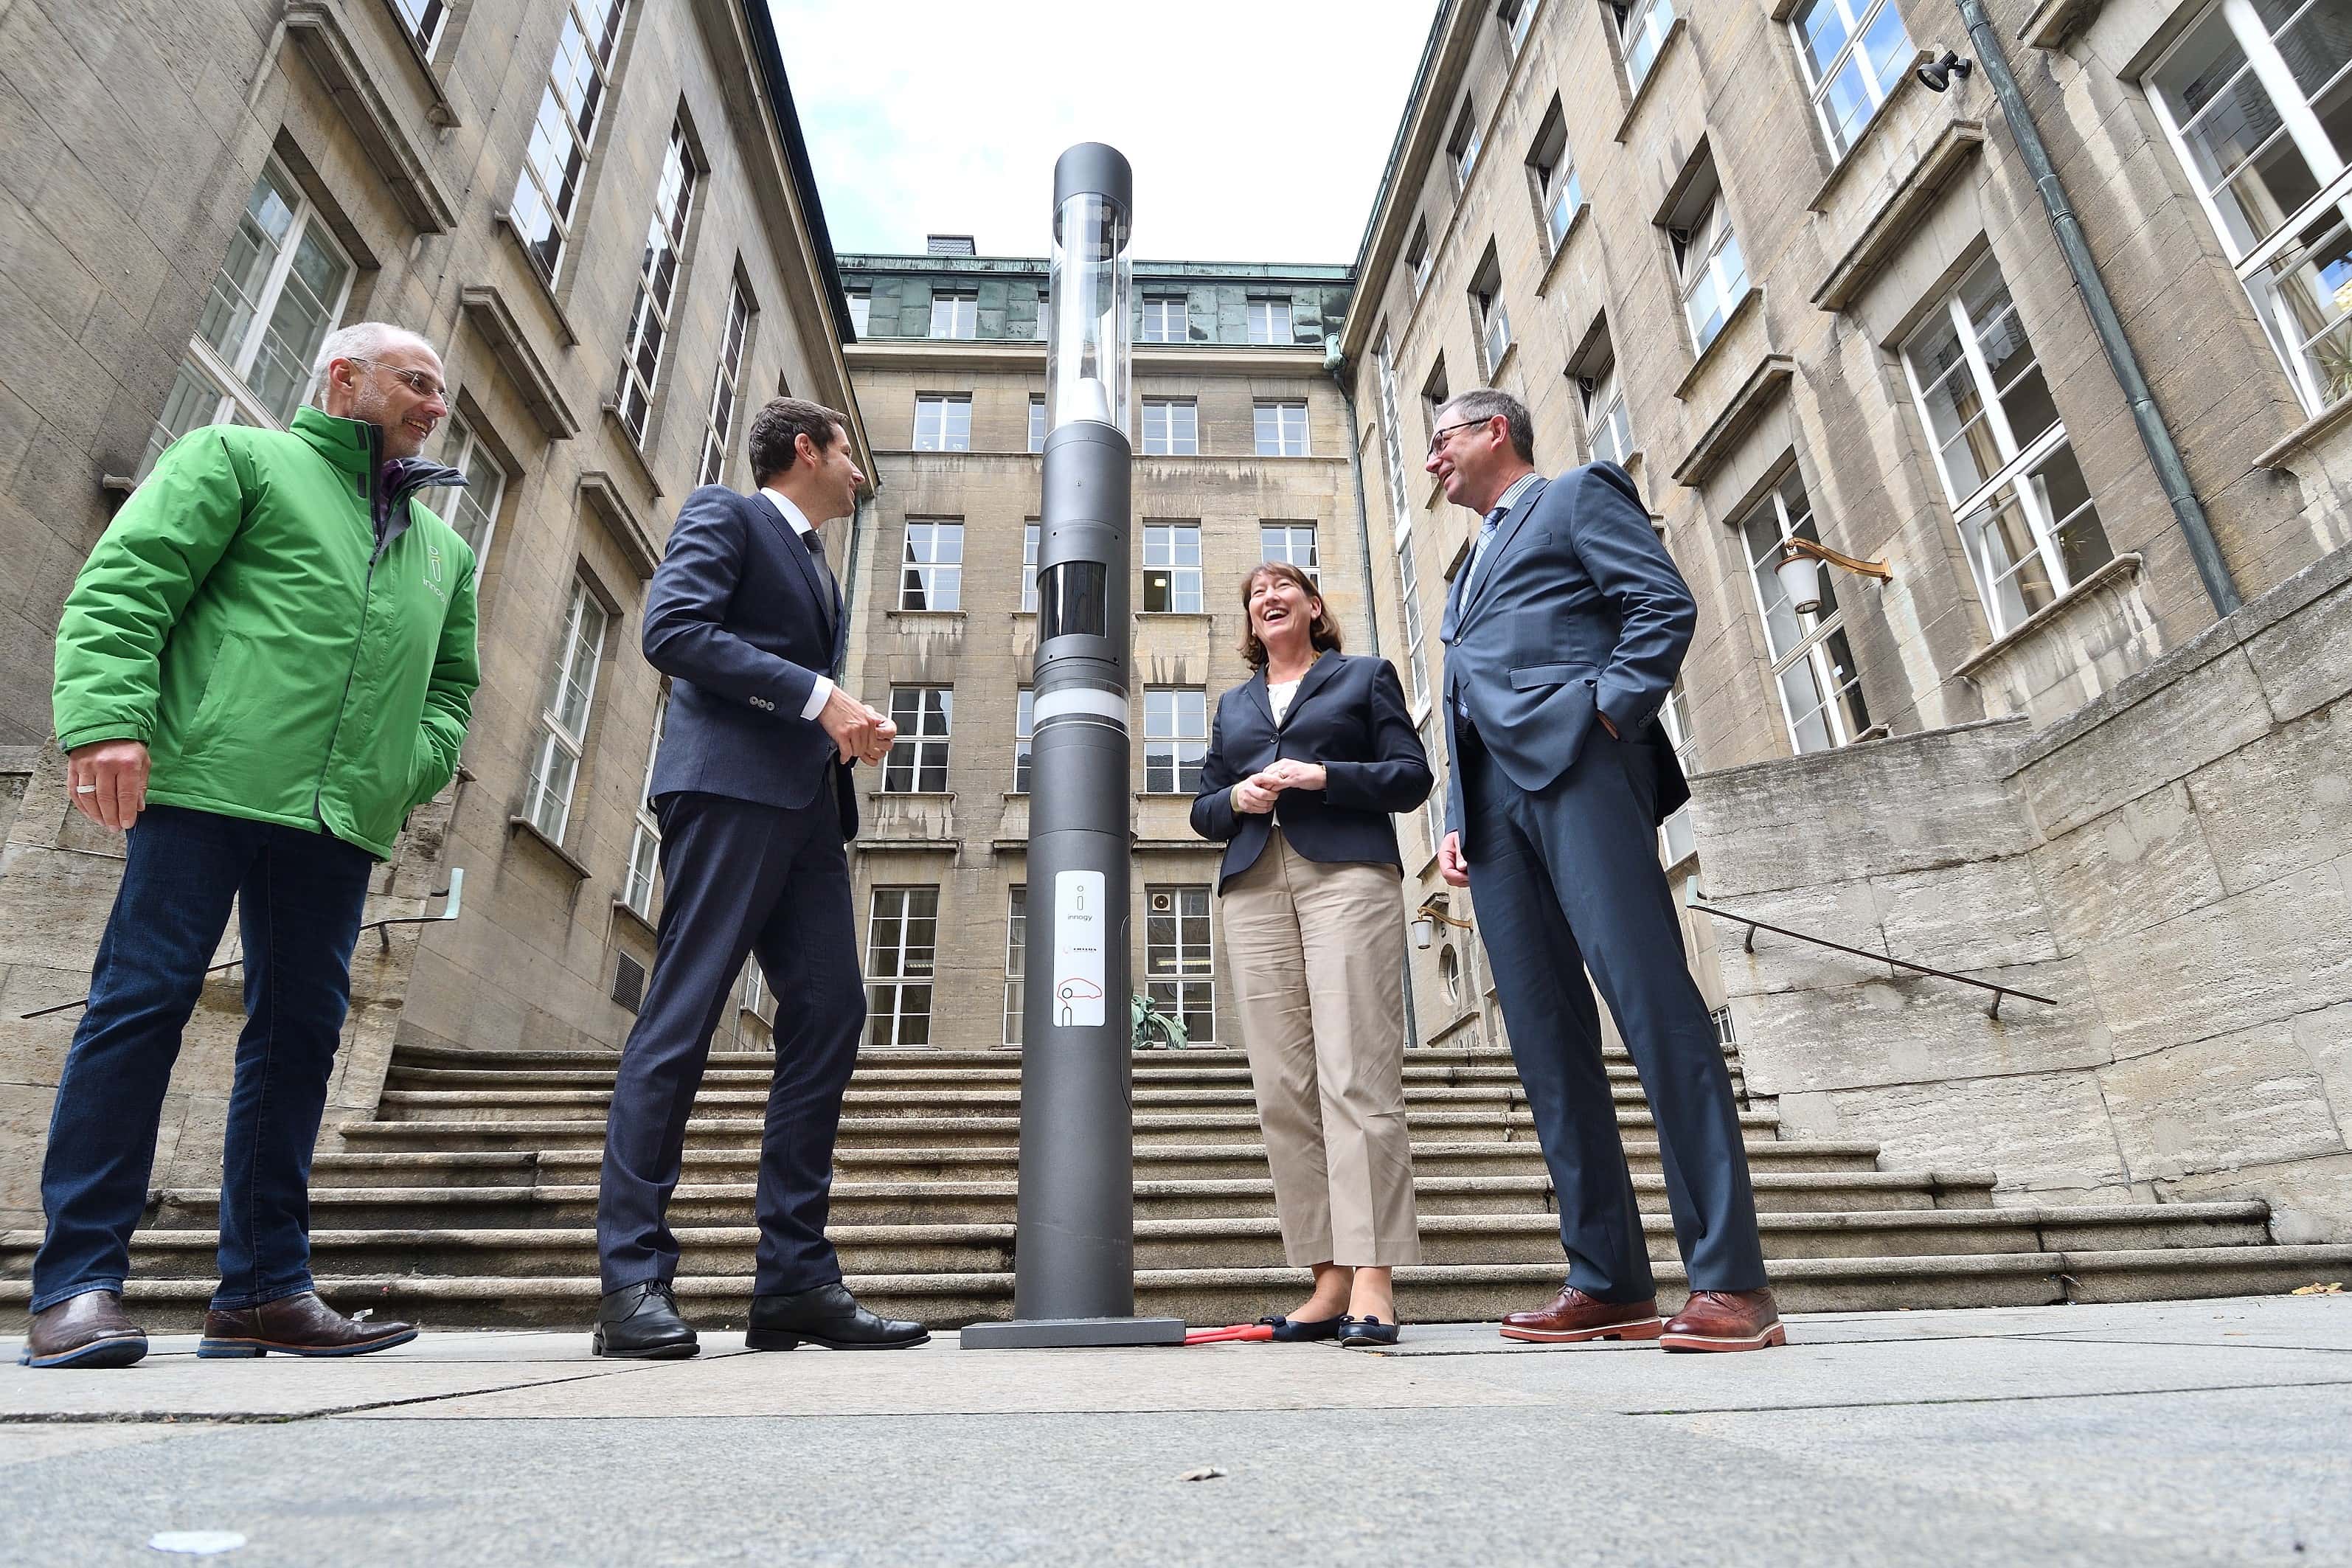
[[1067, 1334]]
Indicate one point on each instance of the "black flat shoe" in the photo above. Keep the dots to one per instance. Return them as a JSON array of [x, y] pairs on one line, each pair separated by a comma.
[[1367, 1331], [828, 1316], [1289, 1330]]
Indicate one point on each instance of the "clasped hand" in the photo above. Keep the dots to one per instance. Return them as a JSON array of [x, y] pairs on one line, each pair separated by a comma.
[[862, 734], [1255, 794]]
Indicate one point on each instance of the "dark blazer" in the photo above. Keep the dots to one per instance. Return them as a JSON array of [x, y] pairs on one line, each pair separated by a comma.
[[737, 618], [1578, 609], [1349, 714]]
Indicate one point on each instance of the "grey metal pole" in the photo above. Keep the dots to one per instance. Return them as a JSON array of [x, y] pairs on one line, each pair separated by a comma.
[[1074, 1256], [2171, 471]]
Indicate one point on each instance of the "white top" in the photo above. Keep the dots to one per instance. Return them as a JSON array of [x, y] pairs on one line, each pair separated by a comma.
[[822, 689], [1278, 693]]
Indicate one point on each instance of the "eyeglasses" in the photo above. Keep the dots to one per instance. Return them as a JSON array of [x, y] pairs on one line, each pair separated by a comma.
[[416, 381], [1437, 436]]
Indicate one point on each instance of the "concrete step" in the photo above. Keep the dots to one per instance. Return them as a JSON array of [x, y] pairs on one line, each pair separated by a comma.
[[930, 1081], [1226, 1242], [1145, 1062], [379, 1166], [1426, 1293], [961, 1131], [994, 1201]]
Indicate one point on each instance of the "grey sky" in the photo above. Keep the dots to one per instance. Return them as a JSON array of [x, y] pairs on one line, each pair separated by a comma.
[[1257, 127]]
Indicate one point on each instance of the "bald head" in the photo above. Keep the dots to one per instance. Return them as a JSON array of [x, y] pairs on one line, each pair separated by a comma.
[[388, 376]]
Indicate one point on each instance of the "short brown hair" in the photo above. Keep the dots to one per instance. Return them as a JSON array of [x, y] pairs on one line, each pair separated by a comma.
[[777, 429], [1484, 403], [1323, 632]]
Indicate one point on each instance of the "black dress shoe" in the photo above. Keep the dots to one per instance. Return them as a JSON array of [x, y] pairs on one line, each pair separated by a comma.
[[1356, 1333], [640, 1322], [828, 1316], [88, 1330], [1291, 1331]]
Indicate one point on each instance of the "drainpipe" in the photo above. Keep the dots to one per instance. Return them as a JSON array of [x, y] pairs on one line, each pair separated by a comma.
[[2171, 471], [1333, 363]]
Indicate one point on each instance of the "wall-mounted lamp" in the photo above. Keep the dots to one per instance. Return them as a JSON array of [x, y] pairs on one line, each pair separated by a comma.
[[1426, 920], [1799, 571], [1936, 75]]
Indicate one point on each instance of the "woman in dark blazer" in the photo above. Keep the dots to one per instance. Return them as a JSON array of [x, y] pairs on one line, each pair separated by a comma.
[[1307, 760]]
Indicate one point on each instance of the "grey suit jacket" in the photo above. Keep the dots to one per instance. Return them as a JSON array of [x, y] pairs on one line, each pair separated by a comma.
[[737, 618], [1577, 609]]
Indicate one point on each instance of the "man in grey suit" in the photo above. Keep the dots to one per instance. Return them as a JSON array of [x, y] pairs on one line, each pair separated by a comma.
[[751, 785], [1563, 635]]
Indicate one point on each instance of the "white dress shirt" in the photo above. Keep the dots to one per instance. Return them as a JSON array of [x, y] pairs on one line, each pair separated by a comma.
[[822, 689]]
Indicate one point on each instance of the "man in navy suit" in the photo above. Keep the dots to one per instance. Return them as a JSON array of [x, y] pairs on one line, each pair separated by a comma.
[[1563, 635], [753, 789]]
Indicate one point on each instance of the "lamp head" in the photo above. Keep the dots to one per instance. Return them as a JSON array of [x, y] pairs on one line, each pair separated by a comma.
[[1937, 74], [1801, 579]]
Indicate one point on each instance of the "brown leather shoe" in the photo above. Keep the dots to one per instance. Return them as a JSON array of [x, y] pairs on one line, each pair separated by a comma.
[[1725, 1320], [1573, 1315], [88, 1330], [296, 1325]]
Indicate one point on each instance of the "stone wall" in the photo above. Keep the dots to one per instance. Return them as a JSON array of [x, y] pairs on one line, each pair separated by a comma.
[[2172, 863]]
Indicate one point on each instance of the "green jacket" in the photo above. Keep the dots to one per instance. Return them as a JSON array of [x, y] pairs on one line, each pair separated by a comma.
[[240, 617]]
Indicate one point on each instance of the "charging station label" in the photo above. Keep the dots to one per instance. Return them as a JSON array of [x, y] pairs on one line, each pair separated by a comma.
[[1080, 928]]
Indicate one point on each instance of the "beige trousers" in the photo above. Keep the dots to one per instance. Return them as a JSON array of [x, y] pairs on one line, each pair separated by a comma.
[[1317, 956]]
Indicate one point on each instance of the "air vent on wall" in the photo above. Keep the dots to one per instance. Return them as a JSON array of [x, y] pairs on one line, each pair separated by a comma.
[[628, 982]]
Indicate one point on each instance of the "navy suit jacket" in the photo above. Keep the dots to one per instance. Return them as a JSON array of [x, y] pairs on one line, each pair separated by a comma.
[[737, 618], [1349, 714], [1577, 609]]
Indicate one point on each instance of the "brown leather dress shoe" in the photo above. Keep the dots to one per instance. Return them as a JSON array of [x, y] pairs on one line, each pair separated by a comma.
[[1573, 1315], [296, 1325], [88, 1330], [1725, 1320]]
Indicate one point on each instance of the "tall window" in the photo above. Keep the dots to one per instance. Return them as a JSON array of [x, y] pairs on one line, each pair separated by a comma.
[[1164, 320], [1551, 171], [902, 936], [1269, 322], [1175, 738], [1641, 30], [1037, 422], [564, 714], [1463, 146], [556, 166], [1493, 317], [1433, 809], [718, 428], [1433, 397], [917, 763], [861, 310], [1029, 567], [931, 577], [648, 329], [1416, 654], [472, 511], [280, 291], [2025, 515], [955, 314], [1607, 426], [1821, 691], [424, 20], [1172, 428], [1421, 258], [755, 987], [1393, 439], [1713, 273], [644, 847], [1290, 541], [1281, 426], [1044, 312], [2256, 98], [1853, 52], [1025, 728], [1517, 14], [943, 422], [1180, 971], [1017, 955], [1171, 567], [1675, 840]]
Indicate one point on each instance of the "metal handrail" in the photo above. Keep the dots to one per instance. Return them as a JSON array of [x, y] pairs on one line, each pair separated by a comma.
[[1755, 925], [455, 893]]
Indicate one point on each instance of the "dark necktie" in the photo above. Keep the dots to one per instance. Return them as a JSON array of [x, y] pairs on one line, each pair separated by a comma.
[[823, 570]]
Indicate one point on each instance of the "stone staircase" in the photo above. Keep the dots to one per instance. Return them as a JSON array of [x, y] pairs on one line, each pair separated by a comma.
[[469, 1201]]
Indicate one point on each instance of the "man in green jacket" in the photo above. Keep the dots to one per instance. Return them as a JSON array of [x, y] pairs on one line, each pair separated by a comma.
[[265, 665]]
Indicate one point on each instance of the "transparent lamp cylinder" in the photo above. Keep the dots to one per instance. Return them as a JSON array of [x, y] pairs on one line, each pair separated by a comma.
[[1088, 373]]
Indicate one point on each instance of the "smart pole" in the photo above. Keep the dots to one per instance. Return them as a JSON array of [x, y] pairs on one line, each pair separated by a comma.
[[1074, 1262]]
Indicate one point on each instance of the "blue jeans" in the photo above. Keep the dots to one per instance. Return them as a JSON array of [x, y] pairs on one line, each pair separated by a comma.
[[298, 897]]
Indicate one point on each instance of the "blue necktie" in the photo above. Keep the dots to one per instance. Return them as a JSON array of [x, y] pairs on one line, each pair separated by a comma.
[[1478, 550]]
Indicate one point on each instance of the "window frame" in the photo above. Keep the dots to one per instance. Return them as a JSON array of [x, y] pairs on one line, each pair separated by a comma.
[[861, 309], [886, 1021], [1172, 987], [1289, 531], [426, 30], [963, 325], [918, 757], [1167, 438], [1032, 541], [1151, 330], [1416, 639], [1614, 416], [649, 321], [1628, 12], [933, 577], [1287, 442], [953, 433], [1265, 336], [644, 843], [1843, 138], [1816, 631], [1676, 842], [1184, 740], [1699, 249], [600, 58], [1163, 552], [555, 739], [1016, 961], [726, 386], [1037, 431], [1461, 148], [1024, 734]]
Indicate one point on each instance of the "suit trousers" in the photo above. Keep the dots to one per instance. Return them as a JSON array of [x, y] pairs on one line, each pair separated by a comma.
[[1567, 880], [1316, 955], [738, 878]]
